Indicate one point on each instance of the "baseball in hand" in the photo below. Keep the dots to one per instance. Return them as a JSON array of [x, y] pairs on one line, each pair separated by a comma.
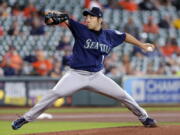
[[149, 49]]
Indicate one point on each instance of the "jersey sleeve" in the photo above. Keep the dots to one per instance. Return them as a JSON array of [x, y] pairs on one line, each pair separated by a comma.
[[117, 37], [75, 27]]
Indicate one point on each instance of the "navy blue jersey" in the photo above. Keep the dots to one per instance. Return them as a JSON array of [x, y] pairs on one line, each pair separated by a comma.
[[91, 46]]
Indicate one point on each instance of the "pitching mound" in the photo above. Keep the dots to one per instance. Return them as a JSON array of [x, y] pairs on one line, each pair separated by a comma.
[[161, 130]]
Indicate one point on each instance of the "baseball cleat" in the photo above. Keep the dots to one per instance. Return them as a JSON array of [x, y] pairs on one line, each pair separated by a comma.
[[149, 122], [18, 123]]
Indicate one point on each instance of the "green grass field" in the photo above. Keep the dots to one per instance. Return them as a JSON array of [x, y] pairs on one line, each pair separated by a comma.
[[52, 126]]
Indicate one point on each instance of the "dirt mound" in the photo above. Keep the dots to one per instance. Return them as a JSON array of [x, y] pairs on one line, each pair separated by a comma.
[[137, 130]]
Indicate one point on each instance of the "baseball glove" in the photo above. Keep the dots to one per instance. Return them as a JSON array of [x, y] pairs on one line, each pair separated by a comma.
[[57, 18]]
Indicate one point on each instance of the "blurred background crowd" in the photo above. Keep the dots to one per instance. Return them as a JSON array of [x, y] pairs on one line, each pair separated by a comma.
[[28, 47]]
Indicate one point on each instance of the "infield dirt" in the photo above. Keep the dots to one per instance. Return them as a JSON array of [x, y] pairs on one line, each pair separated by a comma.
[[137, 130]]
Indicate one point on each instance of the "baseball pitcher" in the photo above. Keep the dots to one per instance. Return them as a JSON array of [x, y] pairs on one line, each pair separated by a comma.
[[92, 45]]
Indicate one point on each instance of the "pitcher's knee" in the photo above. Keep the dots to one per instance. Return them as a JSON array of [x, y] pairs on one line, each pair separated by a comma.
[[121, 96], [59, 93], [52, 93]]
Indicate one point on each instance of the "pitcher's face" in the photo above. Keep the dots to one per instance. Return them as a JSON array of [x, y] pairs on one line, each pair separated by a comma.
[[92, 22]]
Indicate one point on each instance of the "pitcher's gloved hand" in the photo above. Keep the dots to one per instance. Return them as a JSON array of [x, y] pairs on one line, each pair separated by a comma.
[[54, 18]]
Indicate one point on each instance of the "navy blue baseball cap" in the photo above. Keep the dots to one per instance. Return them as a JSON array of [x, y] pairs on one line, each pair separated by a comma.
[[95, 11]]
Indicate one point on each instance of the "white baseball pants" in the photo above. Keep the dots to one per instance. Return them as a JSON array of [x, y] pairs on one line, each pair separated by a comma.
[[75, 80]]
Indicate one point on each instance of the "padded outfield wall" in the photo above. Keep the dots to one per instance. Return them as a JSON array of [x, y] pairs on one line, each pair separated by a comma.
[[27, 91], [153, 89]]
